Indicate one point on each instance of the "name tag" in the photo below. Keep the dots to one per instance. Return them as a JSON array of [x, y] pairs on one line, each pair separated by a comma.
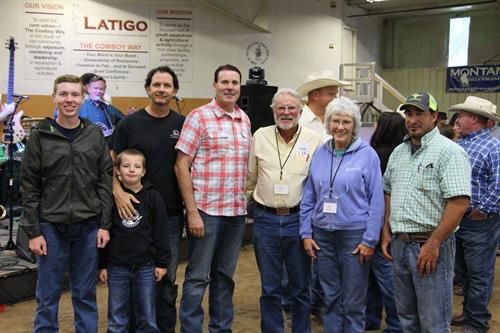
[[302, 148], [330, 207], [280, 188]]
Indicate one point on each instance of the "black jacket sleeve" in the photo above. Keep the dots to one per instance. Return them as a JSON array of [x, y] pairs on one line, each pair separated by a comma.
[[104, 185], [160, 230], [31, 185]]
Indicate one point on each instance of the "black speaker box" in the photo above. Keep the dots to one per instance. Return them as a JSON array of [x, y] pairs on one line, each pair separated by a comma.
[[255, 100]]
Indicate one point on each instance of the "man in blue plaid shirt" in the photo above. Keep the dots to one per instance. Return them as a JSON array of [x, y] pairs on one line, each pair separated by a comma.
[[477, 238]]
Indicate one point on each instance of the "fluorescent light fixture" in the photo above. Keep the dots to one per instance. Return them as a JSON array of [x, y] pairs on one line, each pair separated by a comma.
[[372, 1]]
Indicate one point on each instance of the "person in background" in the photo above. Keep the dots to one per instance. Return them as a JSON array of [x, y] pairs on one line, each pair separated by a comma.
[[442, 119], [131, 275], [94, 108], [341, 214], [479, 232], [389, 133]]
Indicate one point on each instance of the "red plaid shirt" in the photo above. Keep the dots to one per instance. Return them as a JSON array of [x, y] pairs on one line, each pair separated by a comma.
[[219, 143]]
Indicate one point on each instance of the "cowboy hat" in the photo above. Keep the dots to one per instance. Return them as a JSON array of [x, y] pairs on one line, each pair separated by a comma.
[[319, 80], [479, 106]]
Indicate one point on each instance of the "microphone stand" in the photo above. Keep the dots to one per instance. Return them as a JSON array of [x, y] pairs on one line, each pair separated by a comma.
[[10, 162]]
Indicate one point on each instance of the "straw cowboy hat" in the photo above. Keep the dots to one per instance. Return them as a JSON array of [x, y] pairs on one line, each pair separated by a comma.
[[319, 80], [479, 106]]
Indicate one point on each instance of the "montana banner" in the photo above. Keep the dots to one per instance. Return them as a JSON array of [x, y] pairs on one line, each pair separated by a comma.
[[480, 78]]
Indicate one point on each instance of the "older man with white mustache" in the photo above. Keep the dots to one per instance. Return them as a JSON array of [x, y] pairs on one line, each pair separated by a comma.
[[279, 162]]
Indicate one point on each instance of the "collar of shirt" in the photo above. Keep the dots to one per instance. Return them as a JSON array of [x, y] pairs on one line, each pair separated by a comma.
[[426, 139], [309, 115], [283, 140], [220, 112], [481, 134]]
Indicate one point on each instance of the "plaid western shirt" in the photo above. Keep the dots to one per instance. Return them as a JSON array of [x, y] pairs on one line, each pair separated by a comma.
[[219, 143], [484, 157], [419, 184]]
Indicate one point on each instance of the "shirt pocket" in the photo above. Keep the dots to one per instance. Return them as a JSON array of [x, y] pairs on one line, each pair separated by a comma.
[[427, 179], [299, 164], [218, 143]]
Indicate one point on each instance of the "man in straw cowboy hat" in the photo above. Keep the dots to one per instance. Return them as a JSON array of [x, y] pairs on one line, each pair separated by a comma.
[[477, 238], [320, 88]]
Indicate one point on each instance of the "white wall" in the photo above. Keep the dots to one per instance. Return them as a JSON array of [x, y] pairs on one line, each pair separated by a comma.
[[300, 33]]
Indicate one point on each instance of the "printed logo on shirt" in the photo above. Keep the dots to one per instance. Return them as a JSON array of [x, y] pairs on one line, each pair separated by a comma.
[[175, 134], [130, 223]]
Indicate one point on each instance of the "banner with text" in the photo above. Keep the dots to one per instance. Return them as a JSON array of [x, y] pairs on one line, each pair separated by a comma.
[[480, 78]]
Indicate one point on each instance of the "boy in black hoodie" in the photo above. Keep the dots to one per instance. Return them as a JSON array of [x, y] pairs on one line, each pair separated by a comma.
[[138, 252]]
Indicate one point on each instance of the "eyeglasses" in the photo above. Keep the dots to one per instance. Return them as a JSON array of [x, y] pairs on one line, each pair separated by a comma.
[[341, 122]]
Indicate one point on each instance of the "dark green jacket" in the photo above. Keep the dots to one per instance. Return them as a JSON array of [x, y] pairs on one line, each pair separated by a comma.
[[65, 182]]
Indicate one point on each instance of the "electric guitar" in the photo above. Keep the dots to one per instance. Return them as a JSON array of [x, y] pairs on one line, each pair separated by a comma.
[[17, 133]]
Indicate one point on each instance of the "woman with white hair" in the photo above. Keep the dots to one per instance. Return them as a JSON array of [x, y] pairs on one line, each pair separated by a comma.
[[341, 215]]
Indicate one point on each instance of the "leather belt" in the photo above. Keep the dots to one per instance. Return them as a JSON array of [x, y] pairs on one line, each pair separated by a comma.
[[279, 210], [413, 237]]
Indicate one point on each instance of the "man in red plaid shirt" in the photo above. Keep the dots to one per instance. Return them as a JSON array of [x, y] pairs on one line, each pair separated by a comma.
[[211, 170]]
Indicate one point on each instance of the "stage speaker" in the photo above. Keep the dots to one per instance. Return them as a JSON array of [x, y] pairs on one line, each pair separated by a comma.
[[255, 100]]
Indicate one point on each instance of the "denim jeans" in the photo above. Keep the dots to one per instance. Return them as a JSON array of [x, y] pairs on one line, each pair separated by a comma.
[[127, 285], [317, 297], [70, 246], [286, 292], [166, 289], [424, 303], [477, 242], [212, 261], [381, 273], [344, 280], [276, 243]]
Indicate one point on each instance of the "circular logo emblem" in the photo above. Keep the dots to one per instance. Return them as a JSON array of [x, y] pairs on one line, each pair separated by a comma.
[[257, 53], [130, 223]]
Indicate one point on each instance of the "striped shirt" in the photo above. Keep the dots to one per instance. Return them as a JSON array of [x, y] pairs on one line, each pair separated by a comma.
[[419, 184], [219, 143], [484, 157]]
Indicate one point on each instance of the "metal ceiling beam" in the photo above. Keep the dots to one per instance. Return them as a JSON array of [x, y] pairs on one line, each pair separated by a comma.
[[427, 8]]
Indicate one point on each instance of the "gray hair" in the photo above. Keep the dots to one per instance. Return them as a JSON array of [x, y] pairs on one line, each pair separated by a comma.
[[287, 91], [343, 106]]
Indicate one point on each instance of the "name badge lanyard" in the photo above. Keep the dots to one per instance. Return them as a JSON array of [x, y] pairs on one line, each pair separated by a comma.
[[282, 166], [332, 179]]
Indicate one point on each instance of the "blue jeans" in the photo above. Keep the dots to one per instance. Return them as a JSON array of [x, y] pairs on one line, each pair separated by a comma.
[[212, 260], [286, 293], [276, 243], [344, 280], [127, 285], [317, 302], [70, 246], [381, 271], [166, 289], [424, 303], [477, 242]]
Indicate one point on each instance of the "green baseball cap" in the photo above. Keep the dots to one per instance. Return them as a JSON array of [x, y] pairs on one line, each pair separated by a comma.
[[422, 100]]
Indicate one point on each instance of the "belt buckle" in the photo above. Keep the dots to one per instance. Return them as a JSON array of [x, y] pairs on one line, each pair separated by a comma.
[[404, 237], [282, 211]]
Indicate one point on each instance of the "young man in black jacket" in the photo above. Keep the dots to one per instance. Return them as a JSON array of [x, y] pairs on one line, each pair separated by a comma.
[[131, 272], [66, 191]]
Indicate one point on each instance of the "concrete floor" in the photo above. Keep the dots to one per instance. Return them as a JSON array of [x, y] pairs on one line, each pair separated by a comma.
[[18, 318]]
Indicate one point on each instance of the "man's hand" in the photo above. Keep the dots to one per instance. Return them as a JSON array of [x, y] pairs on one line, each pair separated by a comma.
[[311, 247], [429, 253], [195, 223], [385, 241], [102, 238], [7, 109], [160, 273], [477, 215], [103, 275], [38, 246], [365, 253], [123, 201]]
